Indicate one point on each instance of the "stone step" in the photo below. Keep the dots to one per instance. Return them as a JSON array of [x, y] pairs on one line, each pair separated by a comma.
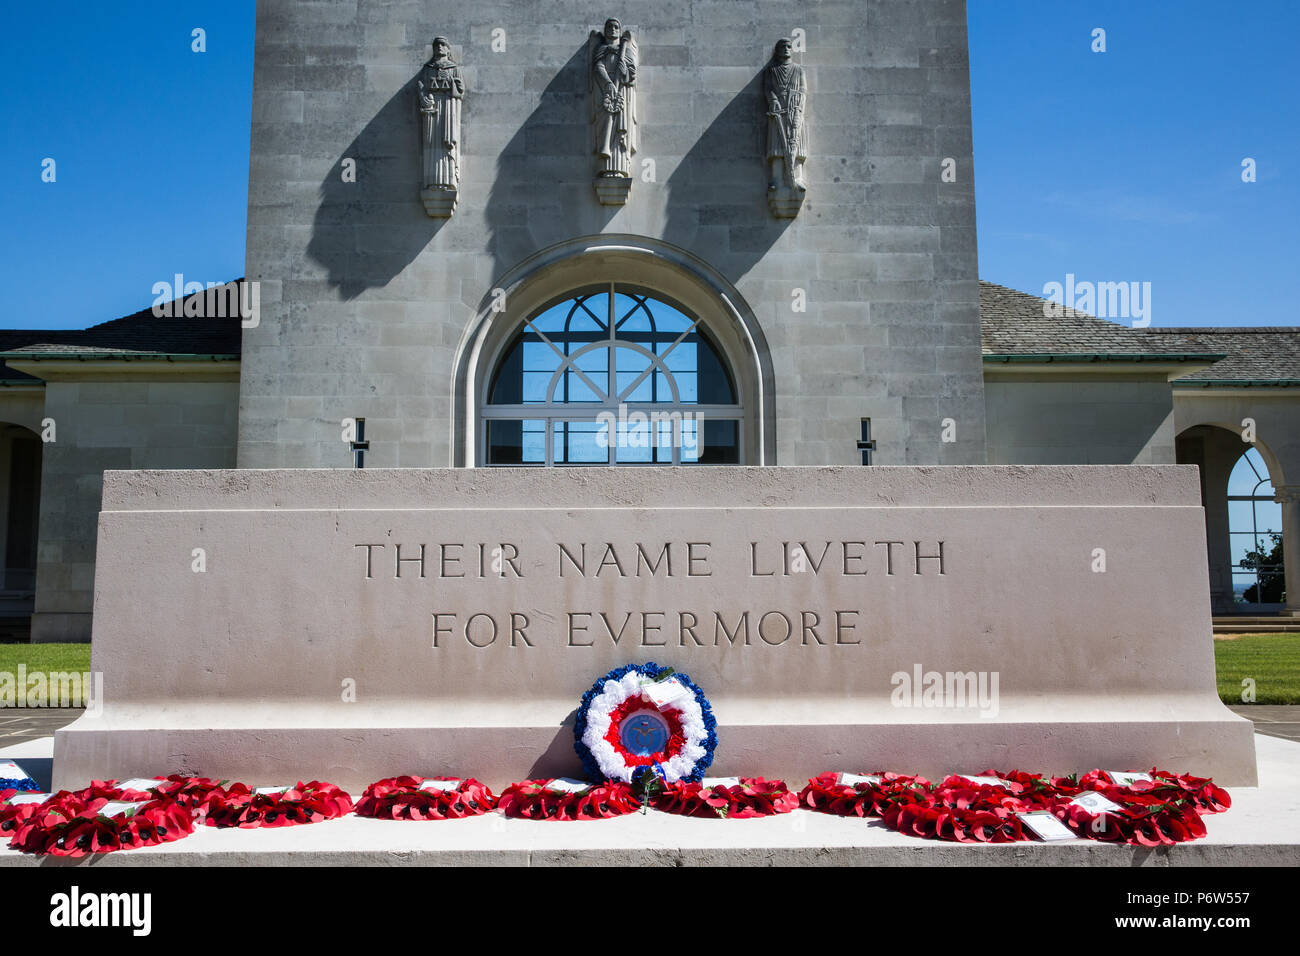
[[1269, 628], [1253, 619]]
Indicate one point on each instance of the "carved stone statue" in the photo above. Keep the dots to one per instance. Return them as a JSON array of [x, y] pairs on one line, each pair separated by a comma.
[[441, 90], [613, 59], [786, 92]]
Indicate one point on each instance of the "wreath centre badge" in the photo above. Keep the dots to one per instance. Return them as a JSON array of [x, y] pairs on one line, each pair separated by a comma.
[[643, 716]]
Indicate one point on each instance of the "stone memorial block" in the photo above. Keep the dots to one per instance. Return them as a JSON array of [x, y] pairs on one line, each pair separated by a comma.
[[348, 625]]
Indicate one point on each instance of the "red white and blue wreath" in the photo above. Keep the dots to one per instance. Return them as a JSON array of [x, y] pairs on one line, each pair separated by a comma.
[[645, 719], [14, 777]]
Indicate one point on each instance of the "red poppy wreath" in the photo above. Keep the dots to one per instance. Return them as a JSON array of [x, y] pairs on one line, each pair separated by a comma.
[[240, 806], [418, 798], [1154, 809], [732, 798], [15, 807], [562, 798], [856, 794], [66, 825]]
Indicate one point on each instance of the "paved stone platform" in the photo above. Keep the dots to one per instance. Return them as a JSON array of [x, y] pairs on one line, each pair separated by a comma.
[[19, 723], [1261, 829], [1276, 720], [31, 723]]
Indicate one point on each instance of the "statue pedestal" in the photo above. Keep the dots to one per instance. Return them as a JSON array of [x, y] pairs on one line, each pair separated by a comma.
[[612, 190], [439, 203], [785, 202]]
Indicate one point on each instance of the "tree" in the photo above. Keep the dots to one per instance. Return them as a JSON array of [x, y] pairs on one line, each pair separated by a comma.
[[1271, 585]]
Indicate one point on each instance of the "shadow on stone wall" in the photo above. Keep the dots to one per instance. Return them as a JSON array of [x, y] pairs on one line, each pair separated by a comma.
[[722, 182], [559, 759], [541, 193], [365, 233]]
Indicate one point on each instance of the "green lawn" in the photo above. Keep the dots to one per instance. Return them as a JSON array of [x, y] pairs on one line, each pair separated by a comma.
[[1271, 660], [45, 657], [69, 660]]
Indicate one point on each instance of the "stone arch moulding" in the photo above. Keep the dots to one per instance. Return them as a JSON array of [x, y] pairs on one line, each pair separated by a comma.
[[1272, 460], [636, 260]]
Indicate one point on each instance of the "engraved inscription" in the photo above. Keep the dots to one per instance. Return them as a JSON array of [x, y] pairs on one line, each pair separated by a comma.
[[652, 564]]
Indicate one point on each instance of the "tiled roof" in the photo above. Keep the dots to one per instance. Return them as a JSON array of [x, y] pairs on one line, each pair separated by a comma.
[[1016, 323], [141, 335], [1015, 327], [1255, 354]]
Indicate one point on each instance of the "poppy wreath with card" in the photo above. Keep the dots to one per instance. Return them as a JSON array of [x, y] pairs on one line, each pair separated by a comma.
[[645, 718], [1201, 792], [420, 798], [966, 809], [66, 825], [560, 799], [189, 791], [748, 797], [96, 790], [1142, 822], [852, 794], [1205, 795], [1161, 810], [1013, 790], [15, 807], [240, 806], [971, 824]]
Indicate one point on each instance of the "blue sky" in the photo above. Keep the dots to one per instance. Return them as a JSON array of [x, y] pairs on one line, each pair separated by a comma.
[[1115, 166]]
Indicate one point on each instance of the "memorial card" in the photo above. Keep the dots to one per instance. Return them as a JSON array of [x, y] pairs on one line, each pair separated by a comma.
[[1094, 802], [18, 799], [709, 782], [1126, 779], [986, 781], [1045, 826], [855, 780], [664, 692]]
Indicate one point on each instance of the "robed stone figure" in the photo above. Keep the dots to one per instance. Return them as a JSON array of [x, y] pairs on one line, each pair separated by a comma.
[[441, 90], [786, 92], [612, 81]]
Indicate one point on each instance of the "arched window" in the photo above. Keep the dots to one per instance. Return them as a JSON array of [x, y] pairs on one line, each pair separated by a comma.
[[612, 375], [1255, 532]]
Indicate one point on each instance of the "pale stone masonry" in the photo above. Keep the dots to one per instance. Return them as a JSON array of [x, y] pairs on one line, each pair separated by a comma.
[[317, 579], [369, 304], [370, 308], [107, 425]]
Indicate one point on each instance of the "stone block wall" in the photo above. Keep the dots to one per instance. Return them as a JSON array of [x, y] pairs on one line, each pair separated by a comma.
[[367, 300], [110, 425], [1067, 420]]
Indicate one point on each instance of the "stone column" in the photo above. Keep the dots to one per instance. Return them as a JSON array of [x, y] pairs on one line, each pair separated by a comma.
[[1288, 496]]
